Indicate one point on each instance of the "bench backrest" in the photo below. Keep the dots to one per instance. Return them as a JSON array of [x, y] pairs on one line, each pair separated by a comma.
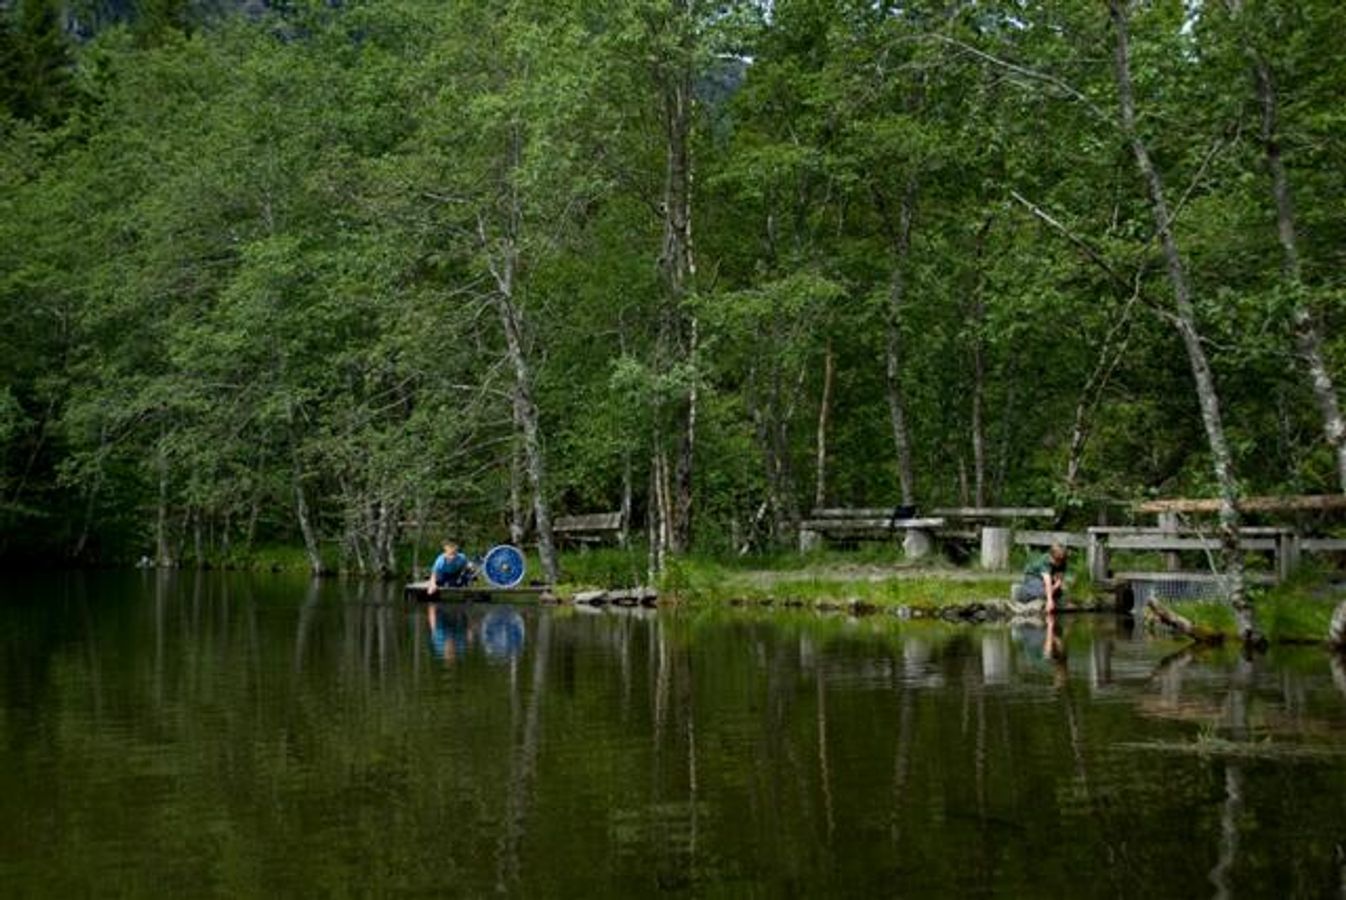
[[988, 513], [593, 522]]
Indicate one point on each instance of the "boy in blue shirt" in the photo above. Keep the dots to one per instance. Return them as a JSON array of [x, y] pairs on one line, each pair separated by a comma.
[[451, 569]]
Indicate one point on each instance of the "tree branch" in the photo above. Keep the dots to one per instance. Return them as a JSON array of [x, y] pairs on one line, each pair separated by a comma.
[[1033, 74]]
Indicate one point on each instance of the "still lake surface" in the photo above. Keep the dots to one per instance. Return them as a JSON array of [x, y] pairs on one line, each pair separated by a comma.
[[189, 735]]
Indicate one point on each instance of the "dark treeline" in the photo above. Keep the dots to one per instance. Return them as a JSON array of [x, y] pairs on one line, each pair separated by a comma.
[[361, 274]]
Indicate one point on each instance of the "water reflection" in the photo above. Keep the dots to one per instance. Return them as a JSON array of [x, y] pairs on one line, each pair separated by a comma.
[[238, 736], [449, 633], [454, 629]]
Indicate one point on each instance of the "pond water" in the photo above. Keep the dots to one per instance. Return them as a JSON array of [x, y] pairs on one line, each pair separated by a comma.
[[180, 734]]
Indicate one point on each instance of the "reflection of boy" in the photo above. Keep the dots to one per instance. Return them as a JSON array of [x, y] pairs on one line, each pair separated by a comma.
[[449, 633], [1044, 577], [1041, 646]]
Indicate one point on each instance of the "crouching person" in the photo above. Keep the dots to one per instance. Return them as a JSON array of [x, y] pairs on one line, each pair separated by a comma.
[[451, 569], [1044, 578]]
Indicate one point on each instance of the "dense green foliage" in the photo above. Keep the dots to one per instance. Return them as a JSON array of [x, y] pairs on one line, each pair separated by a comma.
[[248, 261]]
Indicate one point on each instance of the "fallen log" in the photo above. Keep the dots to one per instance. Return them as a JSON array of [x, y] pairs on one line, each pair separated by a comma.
[[1158, 612], [1336, 631]]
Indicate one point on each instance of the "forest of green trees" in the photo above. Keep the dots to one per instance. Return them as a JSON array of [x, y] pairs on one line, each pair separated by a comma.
[[354, 274]]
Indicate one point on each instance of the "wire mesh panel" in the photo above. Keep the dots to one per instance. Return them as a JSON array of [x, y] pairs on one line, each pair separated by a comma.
[[1178, 588]]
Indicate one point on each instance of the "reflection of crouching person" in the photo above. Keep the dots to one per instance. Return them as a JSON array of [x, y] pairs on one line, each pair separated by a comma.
[[1044, 577]]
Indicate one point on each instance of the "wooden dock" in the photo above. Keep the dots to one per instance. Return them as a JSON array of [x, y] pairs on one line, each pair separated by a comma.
[[483, 593]]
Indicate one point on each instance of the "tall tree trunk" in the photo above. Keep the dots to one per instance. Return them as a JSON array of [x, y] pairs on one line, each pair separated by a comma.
[[527, 413], [683, 497], [91, 499], [1308, 337], [893, 361], [179, 551], [979, 369], [628, 488], [505, 270], [198, 545], [163, 554], [255, 501], [301, 509], [1184, 319], [762, 432], [784, 406], [518, 515], [315, 565], [659, 513], [978, 423], [677, 263], [1008, 411], [824, 411], [385, 538]]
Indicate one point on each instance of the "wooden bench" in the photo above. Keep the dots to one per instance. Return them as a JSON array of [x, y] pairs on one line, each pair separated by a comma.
[[588, 529], [870, 523], [970, 521], [994, 529]]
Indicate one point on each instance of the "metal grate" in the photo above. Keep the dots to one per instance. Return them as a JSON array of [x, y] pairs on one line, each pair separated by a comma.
[[1178, 588]]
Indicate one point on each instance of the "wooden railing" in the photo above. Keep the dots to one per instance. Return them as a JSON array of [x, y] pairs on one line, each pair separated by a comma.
[[1282, 544]]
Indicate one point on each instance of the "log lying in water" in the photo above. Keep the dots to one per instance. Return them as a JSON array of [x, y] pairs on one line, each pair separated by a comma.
[[1336, 631], [1158, 612]]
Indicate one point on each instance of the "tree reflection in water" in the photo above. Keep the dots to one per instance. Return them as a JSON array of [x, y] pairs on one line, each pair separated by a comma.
[[324, 737]]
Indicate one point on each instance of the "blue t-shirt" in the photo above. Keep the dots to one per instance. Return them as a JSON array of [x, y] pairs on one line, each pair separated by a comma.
[[446, 570]]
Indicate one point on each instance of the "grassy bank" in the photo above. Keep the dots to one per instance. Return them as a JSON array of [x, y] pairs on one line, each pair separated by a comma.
[[1298, 611], [869, 577]]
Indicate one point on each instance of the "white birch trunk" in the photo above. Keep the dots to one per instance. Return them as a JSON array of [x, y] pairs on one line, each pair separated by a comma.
[[893, 356], [824, 411], [1308, 336], [1184, 320]]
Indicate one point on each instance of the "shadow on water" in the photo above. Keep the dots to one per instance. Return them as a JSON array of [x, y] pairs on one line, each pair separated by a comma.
[[214, 733]]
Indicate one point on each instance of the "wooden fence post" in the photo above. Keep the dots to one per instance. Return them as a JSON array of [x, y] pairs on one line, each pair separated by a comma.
[[1287, 554], [1097, 555], [995, 547], [1168, 522]]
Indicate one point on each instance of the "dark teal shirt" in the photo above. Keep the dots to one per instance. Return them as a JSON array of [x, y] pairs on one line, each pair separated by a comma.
[[1042, 565]]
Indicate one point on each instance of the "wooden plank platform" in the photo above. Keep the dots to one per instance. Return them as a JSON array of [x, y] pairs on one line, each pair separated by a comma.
[[484, 593]]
